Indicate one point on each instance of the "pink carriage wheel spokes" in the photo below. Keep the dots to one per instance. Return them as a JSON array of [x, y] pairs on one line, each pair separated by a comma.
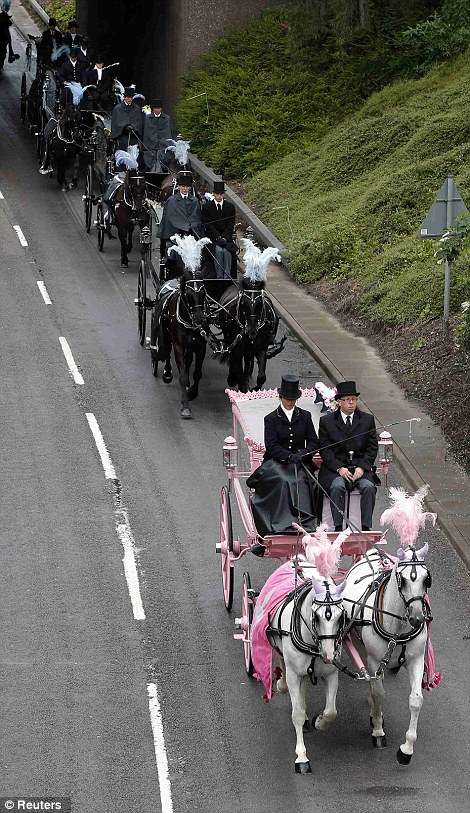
[[226, 547], [246, 622]]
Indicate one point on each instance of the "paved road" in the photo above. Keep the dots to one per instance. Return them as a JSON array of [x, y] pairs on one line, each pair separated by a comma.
[[78, 658]]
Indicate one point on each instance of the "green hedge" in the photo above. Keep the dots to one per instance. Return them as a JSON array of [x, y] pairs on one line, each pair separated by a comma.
[[282, 81], [357, 197], [63, 10]]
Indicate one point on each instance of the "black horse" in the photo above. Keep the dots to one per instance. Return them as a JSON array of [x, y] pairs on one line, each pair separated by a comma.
[[130, 209], [180, 321], [249, 325], [63, 143]]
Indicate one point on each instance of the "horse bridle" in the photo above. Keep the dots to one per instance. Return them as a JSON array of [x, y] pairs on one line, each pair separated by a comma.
[[414, 563], [131, 203], [252, 295], [196, 285], [315, 648]]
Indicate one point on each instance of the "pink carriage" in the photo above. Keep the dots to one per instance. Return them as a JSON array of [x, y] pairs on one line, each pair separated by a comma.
[[242, 453]]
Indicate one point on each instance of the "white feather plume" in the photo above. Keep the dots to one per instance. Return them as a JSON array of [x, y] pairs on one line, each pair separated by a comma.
[[58, 52], [179, 149], [119, 89], [77, 91], [189, 249], [257, 261], [327, 393], [125, 158]]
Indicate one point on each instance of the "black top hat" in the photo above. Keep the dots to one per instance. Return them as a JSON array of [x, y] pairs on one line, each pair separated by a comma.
[[73, 24], [52, 22], [289, 388], [346, 388], [156, 103], [75, 50], [184, 178], [219, 186], [129, 92]]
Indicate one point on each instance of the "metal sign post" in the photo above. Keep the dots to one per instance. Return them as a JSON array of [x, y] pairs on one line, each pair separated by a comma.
[[440, 218]]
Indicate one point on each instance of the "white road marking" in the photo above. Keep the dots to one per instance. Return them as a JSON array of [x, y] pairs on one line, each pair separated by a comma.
[[160, 749], [44, 293], [21, 236], [123, 528], [106, 462], [77, 376], [1, 196]]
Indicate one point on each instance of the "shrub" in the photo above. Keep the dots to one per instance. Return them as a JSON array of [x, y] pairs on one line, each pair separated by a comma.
[[63, 10]]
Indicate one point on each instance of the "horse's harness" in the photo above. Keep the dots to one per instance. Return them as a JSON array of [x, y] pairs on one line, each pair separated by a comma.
[[377, 588], [313, 647]]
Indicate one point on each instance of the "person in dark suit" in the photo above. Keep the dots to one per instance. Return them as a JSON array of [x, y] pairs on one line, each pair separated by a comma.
[[71, 70], [218, 217], [86, 54], [284, 490], [97, 97], [126, 122], [72, 38], [50, 41], [181, 215], [348, 447]]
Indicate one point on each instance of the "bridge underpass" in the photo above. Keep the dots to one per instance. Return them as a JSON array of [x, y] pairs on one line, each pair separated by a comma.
[[157, 41]]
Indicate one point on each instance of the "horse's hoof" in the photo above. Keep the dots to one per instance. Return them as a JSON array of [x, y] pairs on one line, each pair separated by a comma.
[[379, 742], [303, 768], [167, 378], [403, 759], [186, 413]]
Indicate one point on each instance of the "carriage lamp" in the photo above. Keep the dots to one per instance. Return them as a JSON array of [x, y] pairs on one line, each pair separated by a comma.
[[230, 453], [386, 452]]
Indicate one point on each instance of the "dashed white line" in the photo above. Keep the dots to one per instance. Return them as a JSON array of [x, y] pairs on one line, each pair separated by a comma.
[[106, 462], [123, 528], [44, 293], [21, 236], [77, 377], [160, 749]]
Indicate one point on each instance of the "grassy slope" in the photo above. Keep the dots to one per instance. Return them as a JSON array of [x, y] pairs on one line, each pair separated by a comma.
[[357, 197]]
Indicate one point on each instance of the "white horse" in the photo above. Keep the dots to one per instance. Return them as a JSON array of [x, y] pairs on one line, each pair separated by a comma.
[[307, 632], [392, 614]]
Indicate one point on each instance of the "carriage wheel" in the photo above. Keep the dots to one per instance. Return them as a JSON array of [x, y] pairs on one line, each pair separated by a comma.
[[23, 99], [142, 301], [226, 547], [100, 227], [88, 197], [246, 622]]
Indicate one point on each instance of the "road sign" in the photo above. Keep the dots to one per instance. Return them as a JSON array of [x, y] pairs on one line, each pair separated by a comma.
[[447, 206]]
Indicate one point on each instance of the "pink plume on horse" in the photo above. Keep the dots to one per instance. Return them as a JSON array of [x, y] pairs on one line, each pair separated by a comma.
[[406, 515], [321, 552]]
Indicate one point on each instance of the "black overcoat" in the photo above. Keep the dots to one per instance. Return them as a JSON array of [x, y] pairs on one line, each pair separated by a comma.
[[50, 41], [106, 82], [218, 223], [336, 442], [71, 42], [281, 437], [181, 216], [71, 72], [125, 115]]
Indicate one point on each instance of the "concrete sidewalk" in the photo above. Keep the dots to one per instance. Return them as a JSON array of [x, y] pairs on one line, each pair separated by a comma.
[[421, 451]]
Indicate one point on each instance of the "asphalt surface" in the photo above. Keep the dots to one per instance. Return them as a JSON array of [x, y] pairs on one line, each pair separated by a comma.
[[75, 663]]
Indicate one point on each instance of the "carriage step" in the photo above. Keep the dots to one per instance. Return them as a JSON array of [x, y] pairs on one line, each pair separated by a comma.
[[238, 625]]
